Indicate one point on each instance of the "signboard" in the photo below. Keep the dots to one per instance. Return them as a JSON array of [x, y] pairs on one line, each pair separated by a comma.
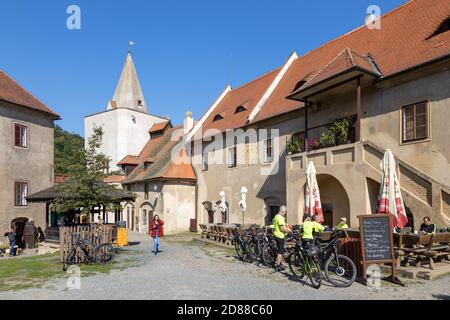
[[376, 237], [377, 242]]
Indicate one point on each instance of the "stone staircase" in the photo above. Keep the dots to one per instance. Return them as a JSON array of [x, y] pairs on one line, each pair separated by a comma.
[[422, 194]]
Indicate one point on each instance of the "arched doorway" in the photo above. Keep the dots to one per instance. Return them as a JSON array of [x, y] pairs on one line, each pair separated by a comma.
[[334, 198], [129, 214], [146, 217], [18, 225], [272, 208]]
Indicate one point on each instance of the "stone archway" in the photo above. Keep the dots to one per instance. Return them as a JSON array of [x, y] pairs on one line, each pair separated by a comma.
[[146, 213], [18, 225], [334, 198], [129, 215], [272, 206]]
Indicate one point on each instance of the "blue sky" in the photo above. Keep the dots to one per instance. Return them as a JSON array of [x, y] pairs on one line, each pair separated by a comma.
[[186, 51]]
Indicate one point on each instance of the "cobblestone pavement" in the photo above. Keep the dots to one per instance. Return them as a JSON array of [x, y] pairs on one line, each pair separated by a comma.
[[191, 270]]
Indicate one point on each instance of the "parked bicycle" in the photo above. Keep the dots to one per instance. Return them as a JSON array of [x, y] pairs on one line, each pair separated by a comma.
[[304, 260], [339, 269], [91, 253], [244, 245]]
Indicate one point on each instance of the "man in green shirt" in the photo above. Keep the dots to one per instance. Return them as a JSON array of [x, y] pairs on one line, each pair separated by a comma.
[[279, 232], [342, 224]]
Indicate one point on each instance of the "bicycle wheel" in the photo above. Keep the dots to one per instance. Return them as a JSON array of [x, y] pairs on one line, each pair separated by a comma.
[[239, 249], [70, 260], [252, 253], [268, 256], [314, 274], [296, 265], [340, 271], [104, 253]]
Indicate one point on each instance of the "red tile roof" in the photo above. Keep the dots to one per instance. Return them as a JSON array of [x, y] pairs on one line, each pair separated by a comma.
[[12, 92], [247, 96], [401, 43], [344, 61], [116, 178], [161, 126], [128, 160], [158, 153]]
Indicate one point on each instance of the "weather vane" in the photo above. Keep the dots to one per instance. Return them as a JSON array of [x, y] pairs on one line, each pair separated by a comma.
[[130, 44]]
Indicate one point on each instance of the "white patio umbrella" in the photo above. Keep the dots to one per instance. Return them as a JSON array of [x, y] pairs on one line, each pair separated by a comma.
[[312, 194], [390, 199]]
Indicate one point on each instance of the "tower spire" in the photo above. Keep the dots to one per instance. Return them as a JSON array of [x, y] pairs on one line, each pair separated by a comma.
[[128, 92]]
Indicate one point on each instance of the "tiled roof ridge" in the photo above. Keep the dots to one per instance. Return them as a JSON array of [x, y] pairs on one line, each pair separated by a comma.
[[354, 30], [28, 92]]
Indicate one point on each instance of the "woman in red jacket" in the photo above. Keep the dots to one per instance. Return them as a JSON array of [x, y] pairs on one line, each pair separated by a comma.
[[156, 232]]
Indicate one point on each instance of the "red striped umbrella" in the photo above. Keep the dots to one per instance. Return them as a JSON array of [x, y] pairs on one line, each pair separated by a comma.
[[312, 194], [390, 199]]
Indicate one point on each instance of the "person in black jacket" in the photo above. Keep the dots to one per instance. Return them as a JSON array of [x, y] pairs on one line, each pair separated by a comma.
[[12, 241], [427, 226]]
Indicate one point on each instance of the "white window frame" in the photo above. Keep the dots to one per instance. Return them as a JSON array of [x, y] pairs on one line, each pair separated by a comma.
[[23, 193], [232, 157], [268, 159]]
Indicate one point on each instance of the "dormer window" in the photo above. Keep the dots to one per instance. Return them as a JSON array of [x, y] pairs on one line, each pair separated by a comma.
[[444, 27], [217, 117], [299, 85], [240, 109], [146, 164]]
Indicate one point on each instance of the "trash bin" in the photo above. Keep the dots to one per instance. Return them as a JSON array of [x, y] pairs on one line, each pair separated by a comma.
[[122, 237]]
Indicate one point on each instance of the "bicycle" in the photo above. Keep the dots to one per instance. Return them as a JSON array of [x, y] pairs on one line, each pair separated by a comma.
[[305, 261], [103, 253], [339, 269], [242, 244]]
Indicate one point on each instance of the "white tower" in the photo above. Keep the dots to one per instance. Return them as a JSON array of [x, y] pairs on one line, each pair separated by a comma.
[[126, 120]]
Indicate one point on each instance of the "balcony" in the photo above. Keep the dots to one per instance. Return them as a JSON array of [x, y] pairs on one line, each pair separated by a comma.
[[333, 134]]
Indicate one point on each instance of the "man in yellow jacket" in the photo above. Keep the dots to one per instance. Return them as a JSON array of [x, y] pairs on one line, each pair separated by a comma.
[[309, 227], [280, 230]]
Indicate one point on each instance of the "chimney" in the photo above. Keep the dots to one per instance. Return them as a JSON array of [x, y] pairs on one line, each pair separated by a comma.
[[188, 123]]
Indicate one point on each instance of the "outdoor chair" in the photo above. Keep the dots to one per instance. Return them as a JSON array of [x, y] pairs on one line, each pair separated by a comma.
[[204, 231]]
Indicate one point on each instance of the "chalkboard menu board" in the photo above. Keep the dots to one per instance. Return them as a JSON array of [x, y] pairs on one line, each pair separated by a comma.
[[376, 237]]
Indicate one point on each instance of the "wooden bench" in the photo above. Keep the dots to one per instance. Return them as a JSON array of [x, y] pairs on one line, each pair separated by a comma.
[[429, 246]]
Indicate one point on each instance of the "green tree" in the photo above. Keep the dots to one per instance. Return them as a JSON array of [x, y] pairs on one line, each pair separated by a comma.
[[85, 188], [68, 150]]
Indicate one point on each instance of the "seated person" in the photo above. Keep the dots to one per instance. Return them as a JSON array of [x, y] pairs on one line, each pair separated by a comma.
[[342, 224], [427, 227], [310, 226]]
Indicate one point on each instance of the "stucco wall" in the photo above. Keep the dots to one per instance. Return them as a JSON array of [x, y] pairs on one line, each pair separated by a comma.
[[382, 122], [33, 165], [174, 203], [381, 125], [260, 186], [125, 132], [179, 207]]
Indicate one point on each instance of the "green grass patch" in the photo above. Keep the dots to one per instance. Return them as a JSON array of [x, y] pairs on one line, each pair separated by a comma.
[[34, 272]]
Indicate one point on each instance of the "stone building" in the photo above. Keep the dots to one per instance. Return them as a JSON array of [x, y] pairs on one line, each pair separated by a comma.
[[126, 120], [26, 154], [163, 179], [387, 87]]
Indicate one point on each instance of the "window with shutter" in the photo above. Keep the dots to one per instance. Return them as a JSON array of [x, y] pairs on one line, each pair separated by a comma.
[[415, 122]]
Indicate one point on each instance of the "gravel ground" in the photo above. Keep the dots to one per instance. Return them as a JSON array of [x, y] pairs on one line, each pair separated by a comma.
[[190, 270]]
